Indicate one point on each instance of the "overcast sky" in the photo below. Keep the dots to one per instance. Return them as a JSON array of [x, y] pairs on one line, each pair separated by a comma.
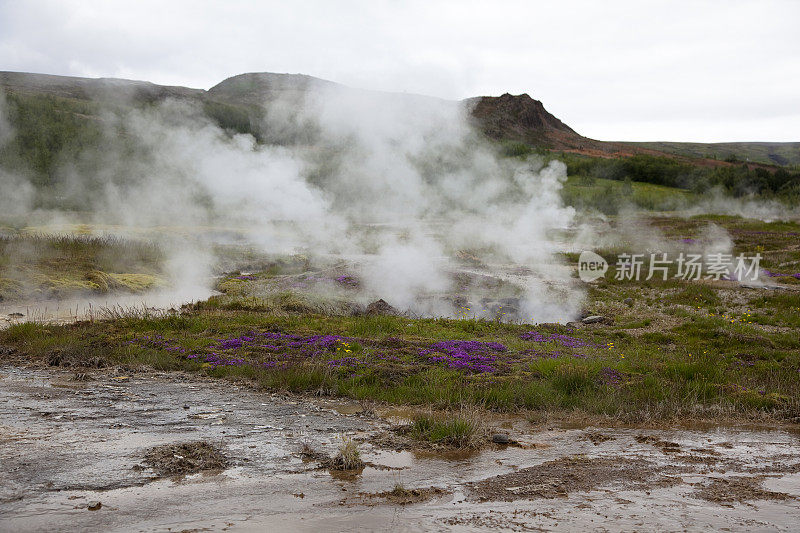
[[684, 71]]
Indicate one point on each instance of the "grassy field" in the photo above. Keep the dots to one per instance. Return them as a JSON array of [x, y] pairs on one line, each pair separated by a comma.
[[609, 196], [669, 349], [59, 266], [787, 153]]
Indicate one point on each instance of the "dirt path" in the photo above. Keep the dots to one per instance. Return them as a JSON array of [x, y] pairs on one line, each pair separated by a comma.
[[67, 444]]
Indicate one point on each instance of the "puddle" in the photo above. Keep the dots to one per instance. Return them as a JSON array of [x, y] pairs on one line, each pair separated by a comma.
[[63, 448], [398, 415], [97, 307], [348, 409], [392, 459]]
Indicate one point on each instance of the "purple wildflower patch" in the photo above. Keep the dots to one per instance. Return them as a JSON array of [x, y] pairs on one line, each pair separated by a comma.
[[564, 340], [349, 281], [611, 377], [473, 356], [238, 350], [771, 274], [265, 350]]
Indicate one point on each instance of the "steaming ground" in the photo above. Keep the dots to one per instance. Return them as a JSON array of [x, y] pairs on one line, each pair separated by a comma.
[[399, 188], [395, 185]]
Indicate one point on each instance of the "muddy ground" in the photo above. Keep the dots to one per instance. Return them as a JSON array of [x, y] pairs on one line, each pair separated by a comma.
[[105, 452]]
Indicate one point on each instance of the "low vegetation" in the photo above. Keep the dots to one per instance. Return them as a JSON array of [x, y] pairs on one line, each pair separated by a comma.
[[738, 179], [457, 429], [59, 266], [668, 349], [348, 457]]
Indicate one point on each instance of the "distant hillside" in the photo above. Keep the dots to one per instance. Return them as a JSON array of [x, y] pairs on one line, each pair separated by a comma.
[[102, 89], [58, 119], [259, 87], [237, 103], [787, 153], [522, 118]]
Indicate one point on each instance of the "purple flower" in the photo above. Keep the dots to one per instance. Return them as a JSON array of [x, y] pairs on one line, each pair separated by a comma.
[[347, 280], [779, 274], [472, 356], [611, 376], [564, 340]]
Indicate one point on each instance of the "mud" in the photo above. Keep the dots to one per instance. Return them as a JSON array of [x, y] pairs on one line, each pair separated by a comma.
[[397, 496], [738, 489], [73, 457], [559, 478], [185, 458]]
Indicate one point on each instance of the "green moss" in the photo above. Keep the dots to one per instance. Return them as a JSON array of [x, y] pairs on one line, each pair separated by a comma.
[[137, 282], [40, 266]]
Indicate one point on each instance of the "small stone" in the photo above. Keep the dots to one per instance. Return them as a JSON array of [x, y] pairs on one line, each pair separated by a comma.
[[380, 307], [500, 438], [94, 506], [628, 302], [186, 406], [593, 319]]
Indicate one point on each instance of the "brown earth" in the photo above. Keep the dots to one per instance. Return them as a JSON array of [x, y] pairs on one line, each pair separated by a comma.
[[185, 458], [562, 476], [728, 490], [72, 451]]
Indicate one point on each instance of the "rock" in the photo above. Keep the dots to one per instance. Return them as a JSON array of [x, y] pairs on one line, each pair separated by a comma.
[[595, 319], [380, 307], [500, 438], [628, 302], [95, 506], [498, 308], [186, 406]]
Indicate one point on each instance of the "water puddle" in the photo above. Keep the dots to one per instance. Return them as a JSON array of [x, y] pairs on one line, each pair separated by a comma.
[[98, 307]]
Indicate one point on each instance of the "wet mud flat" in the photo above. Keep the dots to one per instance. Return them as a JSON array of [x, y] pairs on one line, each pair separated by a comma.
[[170, 451]]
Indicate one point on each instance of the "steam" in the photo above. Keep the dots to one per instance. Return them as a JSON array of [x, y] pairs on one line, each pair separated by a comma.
[[398, 189], [17, 196], [394, 185], [5, 124], [718, 203]]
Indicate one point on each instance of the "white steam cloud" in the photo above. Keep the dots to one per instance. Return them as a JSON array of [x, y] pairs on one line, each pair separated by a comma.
[[17, 194], [396, 185]]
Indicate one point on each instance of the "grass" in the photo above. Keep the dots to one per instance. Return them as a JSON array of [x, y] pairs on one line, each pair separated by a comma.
[[786, 153], [704, 364], [456, 430], [609, 196], [678, 349], [348, 457], [60, 266]]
